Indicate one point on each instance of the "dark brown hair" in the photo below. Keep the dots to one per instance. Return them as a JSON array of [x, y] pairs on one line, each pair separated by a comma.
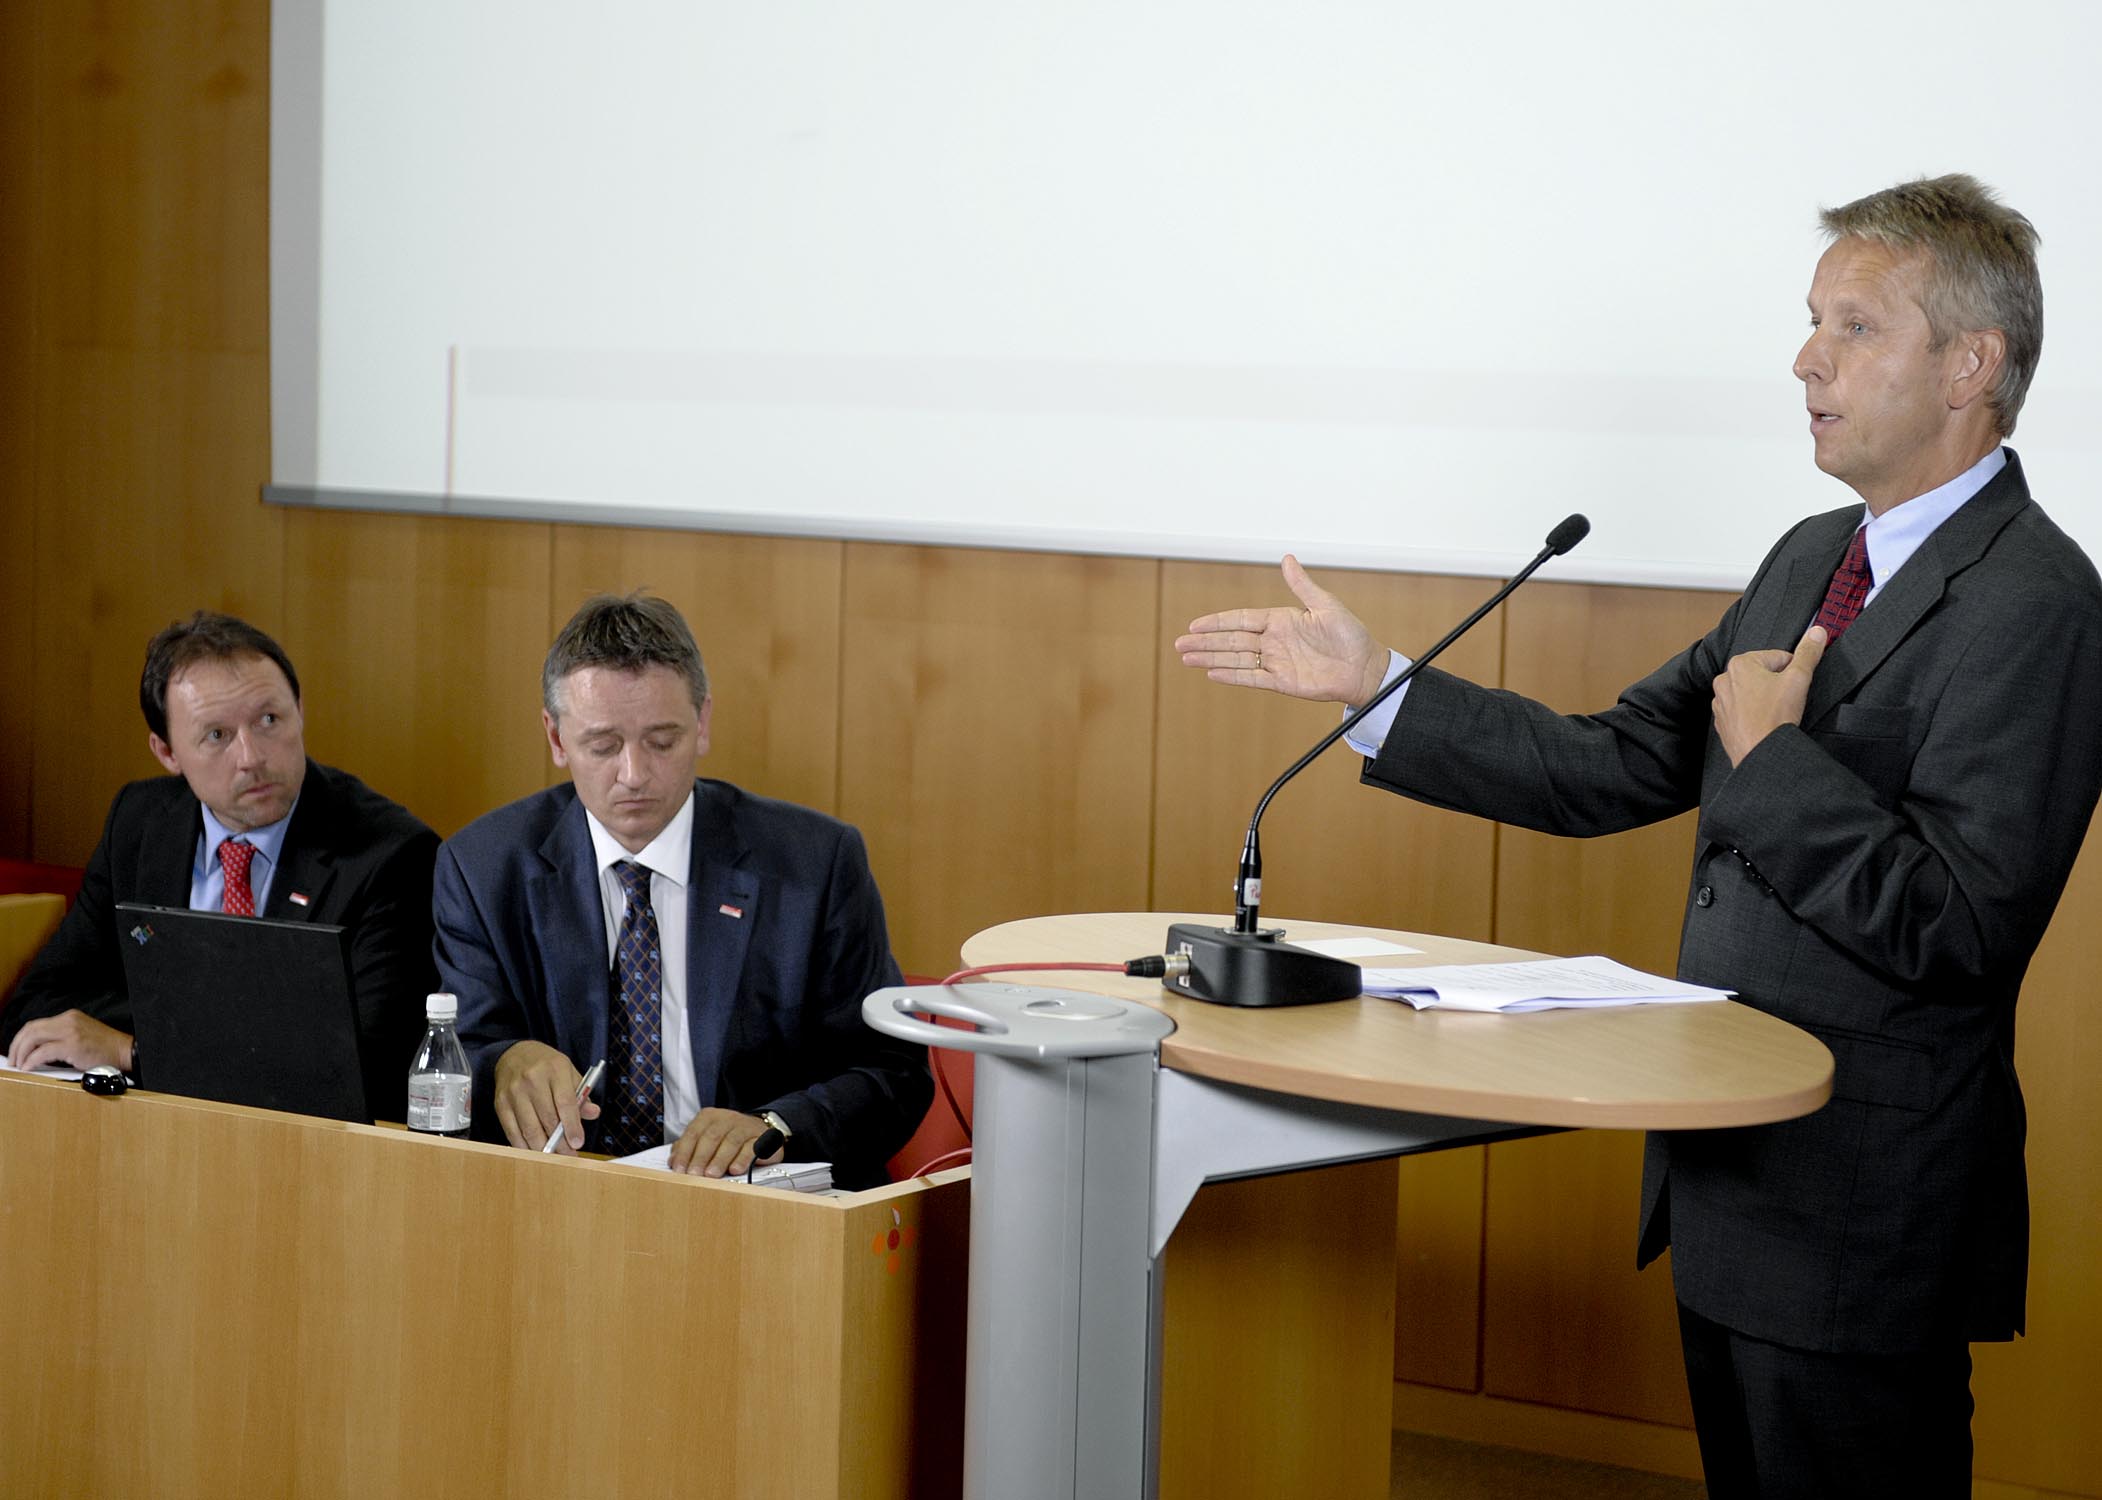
[[626, 632], [205, 636]]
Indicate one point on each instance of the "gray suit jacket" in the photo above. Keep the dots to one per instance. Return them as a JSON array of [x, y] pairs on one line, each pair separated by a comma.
[[1880, 876]]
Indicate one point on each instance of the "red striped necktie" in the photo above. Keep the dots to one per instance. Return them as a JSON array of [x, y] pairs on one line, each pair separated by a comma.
[[1849, 590]]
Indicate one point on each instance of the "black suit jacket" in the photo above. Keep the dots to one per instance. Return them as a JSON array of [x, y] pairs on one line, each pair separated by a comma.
[[362, 861], [784, 938], [1880, 875]]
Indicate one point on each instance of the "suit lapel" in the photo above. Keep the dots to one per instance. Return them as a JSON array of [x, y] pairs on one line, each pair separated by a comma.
[[568, 919], [166, 864], [722, 907], [305, 866], [1779, 616], [1918, 587], [1776, 616]]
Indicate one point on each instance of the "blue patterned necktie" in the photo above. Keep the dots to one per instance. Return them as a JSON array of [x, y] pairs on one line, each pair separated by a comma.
[[635, 1025]]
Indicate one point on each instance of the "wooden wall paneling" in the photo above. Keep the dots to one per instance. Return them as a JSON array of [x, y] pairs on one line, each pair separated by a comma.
[[2037, 1396], [152, 427], [419, 642], [159, 145], [1332, 849], [22, 88], [140, 522], [765, 613], [996, 735], [1341, 852], [1566, 1318], [1438, 1268], [1274, 1290]]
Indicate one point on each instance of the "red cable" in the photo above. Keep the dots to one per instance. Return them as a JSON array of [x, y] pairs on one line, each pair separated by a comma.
[[963, 1152], [962, 974], [934, 1060]]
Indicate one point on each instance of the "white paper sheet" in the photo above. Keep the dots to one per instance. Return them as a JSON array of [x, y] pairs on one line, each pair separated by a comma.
[[1538, 984]]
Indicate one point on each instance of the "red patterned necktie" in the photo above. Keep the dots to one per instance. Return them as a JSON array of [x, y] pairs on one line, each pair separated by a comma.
[[235, 856], [1849, 590], [635, 1026]]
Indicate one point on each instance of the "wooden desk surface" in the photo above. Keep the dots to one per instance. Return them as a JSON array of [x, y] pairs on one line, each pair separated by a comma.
[[1632, 1067]]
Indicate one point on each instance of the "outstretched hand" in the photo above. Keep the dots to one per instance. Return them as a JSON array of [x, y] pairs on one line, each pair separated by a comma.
[[1319, 651]]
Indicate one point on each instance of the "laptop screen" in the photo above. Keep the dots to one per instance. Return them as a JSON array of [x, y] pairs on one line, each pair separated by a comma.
[[245, 1010]]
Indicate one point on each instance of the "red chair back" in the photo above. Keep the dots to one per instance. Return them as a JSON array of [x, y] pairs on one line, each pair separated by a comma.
[[944, 1136], [22, 877]]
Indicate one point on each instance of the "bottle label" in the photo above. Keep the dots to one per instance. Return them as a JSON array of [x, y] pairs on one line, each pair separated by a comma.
[[438, 1102]]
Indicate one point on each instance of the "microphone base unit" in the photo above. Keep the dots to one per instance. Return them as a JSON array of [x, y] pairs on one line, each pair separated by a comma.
[[1254, 969]]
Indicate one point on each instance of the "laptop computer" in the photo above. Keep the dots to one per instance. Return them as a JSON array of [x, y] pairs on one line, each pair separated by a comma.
[[244, 1010]]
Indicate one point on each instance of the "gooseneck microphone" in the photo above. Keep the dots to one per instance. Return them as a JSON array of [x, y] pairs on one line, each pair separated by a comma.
[[1245, 965]]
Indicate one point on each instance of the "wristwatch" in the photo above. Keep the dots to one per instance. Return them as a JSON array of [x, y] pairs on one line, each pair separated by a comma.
[[775, 1122]]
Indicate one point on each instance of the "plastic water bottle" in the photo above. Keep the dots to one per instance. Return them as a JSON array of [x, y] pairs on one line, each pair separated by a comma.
[[438, 1080]]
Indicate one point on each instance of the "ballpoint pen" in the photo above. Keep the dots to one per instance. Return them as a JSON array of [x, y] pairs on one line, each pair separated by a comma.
[[584, 1087]]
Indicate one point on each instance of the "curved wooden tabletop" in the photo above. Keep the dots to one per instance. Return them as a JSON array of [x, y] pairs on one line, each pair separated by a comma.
[[1628, 1067]]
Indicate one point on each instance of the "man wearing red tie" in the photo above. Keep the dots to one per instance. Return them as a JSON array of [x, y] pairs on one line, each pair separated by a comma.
[[1894, 740], [245, 825]]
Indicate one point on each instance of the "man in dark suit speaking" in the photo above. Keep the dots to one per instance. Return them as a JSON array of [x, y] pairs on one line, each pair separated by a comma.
[[1894, 738], [711, 946], [248, 825]]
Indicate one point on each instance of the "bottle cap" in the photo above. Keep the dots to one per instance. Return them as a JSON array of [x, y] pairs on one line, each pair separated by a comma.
[[441, 1007]]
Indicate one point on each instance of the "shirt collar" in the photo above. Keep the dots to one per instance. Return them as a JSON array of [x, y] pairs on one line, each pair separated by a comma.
[[1899, 532], [269, 840], [669, 854]]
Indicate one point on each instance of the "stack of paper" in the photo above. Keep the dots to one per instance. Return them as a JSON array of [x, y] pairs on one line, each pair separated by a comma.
[[798, 1176], [1542, 984]]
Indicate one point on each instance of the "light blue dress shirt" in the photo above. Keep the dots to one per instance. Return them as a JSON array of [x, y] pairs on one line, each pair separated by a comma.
[[208, 878]]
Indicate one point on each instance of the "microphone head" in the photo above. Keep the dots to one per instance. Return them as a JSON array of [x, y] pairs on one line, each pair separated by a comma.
[[770, 1140], [1572, 530]]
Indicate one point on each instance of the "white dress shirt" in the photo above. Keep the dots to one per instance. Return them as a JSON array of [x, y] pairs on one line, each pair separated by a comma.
[[669, 859]]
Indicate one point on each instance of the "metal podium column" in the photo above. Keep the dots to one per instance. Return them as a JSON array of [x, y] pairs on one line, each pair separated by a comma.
[[1058, 1395]]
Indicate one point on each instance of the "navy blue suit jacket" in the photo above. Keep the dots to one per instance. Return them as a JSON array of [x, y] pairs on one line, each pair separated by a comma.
[[785, 936]]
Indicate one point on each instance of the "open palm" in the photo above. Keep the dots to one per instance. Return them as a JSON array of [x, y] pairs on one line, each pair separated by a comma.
[[1319, 650]]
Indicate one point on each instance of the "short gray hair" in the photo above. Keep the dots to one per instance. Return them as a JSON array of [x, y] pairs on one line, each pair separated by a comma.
[[1981, 268], [626, 632]]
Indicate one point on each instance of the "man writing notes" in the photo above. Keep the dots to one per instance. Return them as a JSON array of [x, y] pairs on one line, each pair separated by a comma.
[[246, 825], [1894, 738], [711, 946]]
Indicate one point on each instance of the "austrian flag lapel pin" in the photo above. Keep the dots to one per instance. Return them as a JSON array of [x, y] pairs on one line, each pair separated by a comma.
[[734, 912], [300, 898]]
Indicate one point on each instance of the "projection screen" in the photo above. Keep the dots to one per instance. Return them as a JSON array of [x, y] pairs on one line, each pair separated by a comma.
[[1386, 284]]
